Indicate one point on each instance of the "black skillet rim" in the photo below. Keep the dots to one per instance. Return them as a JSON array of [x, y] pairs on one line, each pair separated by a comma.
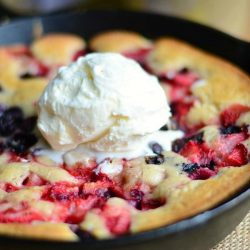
[[178, 227]]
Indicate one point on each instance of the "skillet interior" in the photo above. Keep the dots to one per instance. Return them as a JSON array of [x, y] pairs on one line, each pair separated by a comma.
[[199, 232]]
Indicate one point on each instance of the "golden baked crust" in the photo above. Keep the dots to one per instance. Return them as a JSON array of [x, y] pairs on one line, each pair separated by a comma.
[[119, 41], [57, 49], [42, 199]]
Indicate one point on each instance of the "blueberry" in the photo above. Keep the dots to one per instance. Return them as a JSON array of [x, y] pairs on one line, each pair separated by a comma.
[[105, 193], [157, 160], [211, 165], [189, 167], [178, 144], [21, 142], [164, 128], [157, 148], [26, 76], [84, 235], [197, 137], [10, 120], [184, 70], [230, 130], [137, 197], [136, 194], [173, 108], [28, 124]]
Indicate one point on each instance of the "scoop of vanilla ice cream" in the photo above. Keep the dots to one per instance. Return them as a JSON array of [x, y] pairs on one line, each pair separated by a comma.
[[104, 101]]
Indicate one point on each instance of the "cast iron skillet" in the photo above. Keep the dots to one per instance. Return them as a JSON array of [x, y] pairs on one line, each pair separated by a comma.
[[200, 232]]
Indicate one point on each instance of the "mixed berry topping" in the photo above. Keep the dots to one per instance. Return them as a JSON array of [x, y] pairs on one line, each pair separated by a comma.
[[94, 189], [226, 150]]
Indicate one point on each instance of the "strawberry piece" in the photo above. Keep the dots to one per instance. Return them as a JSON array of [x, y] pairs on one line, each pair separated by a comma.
[[82, 173], [22, 213], [238, 157], [117, 219], [230, 115], [178, 93], [197, 153], [153, 203], [78, 208], [185, 78], [202, 174], [78, 54], [61, 192], [34, 180], [42, 70], [19, 51], [10, 188], [180, 108], [20, 217], [104, 189], [138, 55], [225, 143]]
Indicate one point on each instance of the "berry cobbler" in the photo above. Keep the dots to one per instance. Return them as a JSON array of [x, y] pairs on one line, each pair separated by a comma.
[[117, 135]]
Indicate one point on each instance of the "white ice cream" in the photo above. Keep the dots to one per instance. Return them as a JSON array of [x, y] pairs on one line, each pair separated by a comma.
[[104, 102]]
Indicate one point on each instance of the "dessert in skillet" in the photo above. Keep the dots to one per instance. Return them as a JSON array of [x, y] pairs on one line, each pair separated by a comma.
[[137, 135]]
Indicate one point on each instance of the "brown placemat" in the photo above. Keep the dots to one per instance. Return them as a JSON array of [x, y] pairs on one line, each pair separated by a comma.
[[239, 239]]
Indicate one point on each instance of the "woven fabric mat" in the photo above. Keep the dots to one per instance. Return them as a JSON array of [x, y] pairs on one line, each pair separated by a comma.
[[239, 239]]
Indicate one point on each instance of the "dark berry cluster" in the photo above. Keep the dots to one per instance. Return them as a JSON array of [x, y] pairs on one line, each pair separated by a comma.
[[16, 130]]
